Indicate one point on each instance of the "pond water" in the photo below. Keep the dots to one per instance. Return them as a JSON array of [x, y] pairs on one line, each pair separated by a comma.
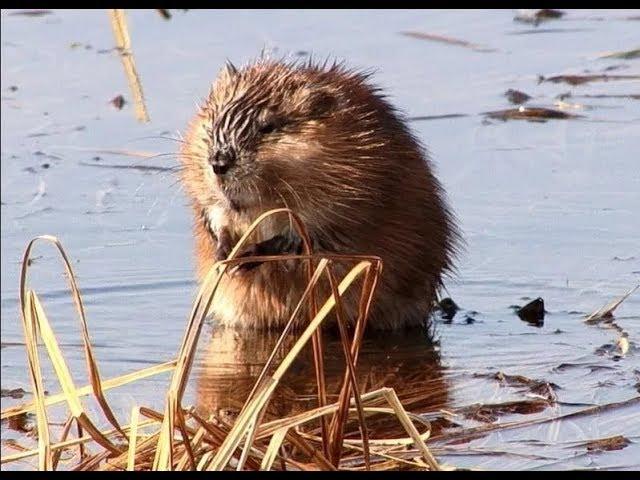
[[548, 209]]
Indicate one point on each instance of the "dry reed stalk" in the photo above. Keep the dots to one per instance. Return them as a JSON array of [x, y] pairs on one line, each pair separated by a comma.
[[203, 444], [123, 44], [606, 312]]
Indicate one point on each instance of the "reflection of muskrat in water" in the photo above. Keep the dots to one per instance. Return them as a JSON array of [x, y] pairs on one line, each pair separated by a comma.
[[323, 142], [233, 360]]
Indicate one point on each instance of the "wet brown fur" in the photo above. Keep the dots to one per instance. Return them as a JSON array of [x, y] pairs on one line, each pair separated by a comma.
[[346, 163]]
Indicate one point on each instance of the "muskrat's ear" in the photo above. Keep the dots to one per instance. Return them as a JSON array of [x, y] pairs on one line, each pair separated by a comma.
[[316, 101]]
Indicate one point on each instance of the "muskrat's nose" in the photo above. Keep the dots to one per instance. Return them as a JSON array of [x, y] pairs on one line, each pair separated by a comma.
[[221, 160]]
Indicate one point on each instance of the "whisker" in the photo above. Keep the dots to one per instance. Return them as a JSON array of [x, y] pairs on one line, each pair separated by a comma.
[[156, 137]]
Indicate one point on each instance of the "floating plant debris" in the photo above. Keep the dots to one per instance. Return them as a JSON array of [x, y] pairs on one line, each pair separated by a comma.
[[617, 442], [606, 312], [164, 13], [623, 259], [118, 102], [532, 114], [448, 308], [437, 117], [12, 393], [623, 344], [625, 55], [149, 168], [537, 31], [533, 312], [32, 13], [615, 350], [491, 413], [448, 40], [24, 422], [541, 388], [633, 96], [582, 79], [516, 96], [538, 16]]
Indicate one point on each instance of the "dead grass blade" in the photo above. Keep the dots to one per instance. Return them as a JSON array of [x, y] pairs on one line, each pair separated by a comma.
[[448, 40], [606, 312], [123, 44], [133, 438]]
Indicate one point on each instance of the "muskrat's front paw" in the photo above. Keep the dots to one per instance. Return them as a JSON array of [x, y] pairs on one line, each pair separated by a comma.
[[274, 246], [224, 246], [252, 250], [222, 254]]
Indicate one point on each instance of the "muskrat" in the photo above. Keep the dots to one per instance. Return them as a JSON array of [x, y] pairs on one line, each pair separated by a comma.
[[321, 140]]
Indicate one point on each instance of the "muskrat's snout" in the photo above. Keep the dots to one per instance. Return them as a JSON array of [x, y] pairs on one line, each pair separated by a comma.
[[222, 159]]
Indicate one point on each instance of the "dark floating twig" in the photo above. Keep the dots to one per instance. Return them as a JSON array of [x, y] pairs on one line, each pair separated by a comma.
[[533, 312], [516, 96], [437, 117], [532, 114], [538, 16], [582, 79], [632, 96], [625, 55], [32, 13], [550, 30], [448, 40], [149, 168]]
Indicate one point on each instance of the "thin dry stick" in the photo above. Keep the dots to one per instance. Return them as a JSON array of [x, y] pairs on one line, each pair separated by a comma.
[[133, 437], [121, 33], [337, 440], [339, 417], [263, 395], [182, 426], [65, 433]]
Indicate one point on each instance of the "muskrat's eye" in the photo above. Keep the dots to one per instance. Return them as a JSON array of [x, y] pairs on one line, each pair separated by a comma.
[[267, 128]]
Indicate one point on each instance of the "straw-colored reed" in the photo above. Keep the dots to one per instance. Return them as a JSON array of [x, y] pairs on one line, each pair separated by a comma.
[[179, 438]]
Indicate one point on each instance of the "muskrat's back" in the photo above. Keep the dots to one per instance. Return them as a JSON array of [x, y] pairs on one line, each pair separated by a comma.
[[325, 143]]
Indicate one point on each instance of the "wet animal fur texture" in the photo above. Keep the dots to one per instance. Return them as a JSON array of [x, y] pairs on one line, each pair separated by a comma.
[[324, 142]]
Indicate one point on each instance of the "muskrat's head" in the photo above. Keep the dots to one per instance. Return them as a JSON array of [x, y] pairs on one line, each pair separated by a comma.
[[278, 134]]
